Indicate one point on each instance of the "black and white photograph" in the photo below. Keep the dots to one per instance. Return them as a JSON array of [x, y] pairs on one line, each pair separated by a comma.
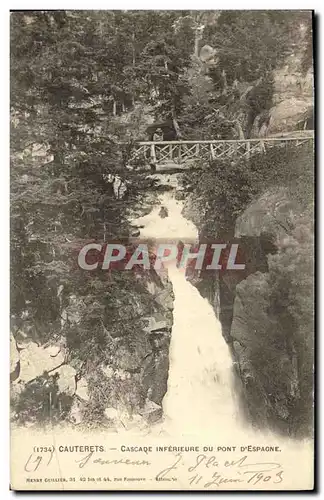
[[162, 249]]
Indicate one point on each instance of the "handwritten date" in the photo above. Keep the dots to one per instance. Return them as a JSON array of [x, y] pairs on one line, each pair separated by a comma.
[[240, 470]]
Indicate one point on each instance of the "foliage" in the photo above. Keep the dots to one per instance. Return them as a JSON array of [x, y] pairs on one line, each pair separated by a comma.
[[291, 280], [81, 82], [265, 39], [73, 73], [41, 402], [224, 98], [280, 347], [230, 186]]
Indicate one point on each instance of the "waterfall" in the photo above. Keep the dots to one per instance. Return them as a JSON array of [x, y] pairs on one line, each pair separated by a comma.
[[200, 384], [200, 405], [199, 394]]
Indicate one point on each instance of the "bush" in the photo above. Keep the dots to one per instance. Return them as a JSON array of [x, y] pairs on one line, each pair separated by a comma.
[[279, 344], [40, 402], [222, 188]]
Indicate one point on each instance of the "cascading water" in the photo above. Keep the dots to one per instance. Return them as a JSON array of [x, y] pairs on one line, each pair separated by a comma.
[[200, 403], [199, 394]]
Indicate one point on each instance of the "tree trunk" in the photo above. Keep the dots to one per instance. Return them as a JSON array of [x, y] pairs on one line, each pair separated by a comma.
[[224, 91], [197, 40], [239, 129], [133, 49], [176, 124], [133, 62], [198, 32]]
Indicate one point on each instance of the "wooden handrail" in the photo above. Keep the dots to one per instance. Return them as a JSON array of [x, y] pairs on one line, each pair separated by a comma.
[[157, 152], [225, 141]]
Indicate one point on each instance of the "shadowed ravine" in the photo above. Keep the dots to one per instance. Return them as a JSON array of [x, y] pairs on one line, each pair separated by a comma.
[[200, 383], [201, 402]]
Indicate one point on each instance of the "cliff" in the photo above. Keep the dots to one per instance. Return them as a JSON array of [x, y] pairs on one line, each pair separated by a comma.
[[266, 311], [293, 94], [272, 315], [113, 377]]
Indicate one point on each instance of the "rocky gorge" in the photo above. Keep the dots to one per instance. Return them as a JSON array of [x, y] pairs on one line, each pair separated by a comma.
[[267, 311], [109, 349]]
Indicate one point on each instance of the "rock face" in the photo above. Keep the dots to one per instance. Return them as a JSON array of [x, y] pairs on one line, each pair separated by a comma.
[[117, 361], [271, 315], [247, 329], [289, 115], [123, 391], [35, 360], [208, 56], [266, 311], [272, 213], [290, 82], [293, 96], [14, 359], [139, 372]]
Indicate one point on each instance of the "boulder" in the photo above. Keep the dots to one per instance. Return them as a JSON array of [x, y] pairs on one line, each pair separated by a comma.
[[272, 214], [82, 389], [35, 360], [76, 412], [156, 322], [121, 374], [151, 412], [111, 413], [208, 55], [287, 115], [66, 379], [14, 360], [135, 422], [163, 213], [121, 419], [108, 371], [165, 299], [152, 287]]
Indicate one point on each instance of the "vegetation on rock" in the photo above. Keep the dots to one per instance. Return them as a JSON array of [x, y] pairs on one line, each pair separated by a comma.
[[81, 83]]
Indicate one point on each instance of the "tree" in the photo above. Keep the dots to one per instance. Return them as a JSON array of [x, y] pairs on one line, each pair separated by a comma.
[[59, 88], [225, 97]]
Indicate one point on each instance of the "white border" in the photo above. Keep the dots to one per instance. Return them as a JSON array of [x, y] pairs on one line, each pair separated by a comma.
[[165, 5], [4, 184]]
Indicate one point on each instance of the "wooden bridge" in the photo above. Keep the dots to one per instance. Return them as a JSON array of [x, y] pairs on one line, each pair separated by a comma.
[[177, 153]]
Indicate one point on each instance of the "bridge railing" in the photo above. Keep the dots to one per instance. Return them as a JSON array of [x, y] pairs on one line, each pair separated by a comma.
[[184, 151]]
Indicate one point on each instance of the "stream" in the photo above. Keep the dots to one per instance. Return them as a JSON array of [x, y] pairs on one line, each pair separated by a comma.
[[200, 385], [201, 402]]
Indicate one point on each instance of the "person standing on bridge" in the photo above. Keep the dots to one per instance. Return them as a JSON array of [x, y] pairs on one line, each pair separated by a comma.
[[158, 135]]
